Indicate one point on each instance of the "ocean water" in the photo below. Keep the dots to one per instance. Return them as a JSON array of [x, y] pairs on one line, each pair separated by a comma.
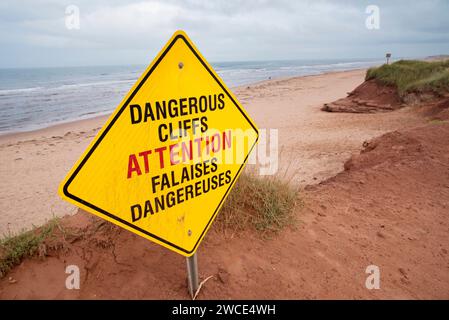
[[39, 97]]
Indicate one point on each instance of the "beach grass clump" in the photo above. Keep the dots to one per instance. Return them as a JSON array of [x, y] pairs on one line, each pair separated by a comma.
[[413, 76], [264, 203], [15, 248]]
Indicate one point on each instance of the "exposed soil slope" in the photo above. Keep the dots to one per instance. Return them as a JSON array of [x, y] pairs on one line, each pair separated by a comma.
[[437, 110], [369, 97], [390, 208]]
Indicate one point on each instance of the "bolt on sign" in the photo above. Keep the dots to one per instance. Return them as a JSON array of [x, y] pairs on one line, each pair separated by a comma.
[[166, 159]]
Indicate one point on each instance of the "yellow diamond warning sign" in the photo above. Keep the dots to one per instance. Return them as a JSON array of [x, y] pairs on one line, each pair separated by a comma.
[[168, 156]]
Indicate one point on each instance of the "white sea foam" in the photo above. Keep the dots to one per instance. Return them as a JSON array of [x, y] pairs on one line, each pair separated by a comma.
[[35, 98], [5, 92]]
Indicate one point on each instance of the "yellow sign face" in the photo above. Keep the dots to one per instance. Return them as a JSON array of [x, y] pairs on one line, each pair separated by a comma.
[[168, 156]]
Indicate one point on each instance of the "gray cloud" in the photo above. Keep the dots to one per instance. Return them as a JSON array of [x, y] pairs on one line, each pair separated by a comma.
[[33, 33]]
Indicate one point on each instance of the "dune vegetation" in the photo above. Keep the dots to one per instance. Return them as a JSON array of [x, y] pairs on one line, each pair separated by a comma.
[[265, 204], [413, 76], [16, 247]]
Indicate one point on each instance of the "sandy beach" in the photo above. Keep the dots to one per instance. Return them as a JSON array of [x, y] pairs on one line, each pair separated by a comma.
[[313, 144], [373, 191]]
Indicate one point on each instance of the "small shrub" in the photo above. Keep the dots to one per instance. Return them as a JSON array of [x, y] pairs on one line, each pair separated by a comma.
[[263, 203]]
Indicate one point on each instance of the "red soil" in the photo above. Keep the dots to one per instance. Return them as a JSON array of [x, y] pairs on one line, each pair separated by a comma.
[[390, 208], [438, 110], [369, 97]]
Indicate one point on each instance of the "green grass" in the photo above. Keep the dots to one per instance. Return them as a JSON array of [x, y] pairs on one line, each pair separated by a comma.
[[260, 202], [413, 76], [437, 121], [14, 248], [263, 203]]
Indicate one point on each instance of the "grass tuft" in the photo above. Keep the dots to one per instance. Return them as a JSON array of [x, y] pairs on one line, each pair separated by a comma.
[[413, 76], [14, 248], [437, 121], [263, 203]]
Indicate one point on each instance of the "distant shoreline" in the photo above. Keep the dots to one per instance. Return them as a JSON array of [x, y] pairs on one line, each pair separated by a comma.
[[71, 124]]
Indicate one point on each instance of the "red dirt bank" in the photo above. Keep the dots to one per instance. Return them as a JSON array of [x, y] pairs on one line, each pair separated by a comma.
[[390, 207], [369, 97]]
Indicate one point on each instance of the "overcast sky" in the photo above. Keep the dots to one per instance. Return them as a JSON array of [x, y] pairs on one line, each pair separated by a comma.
[[119, 32]]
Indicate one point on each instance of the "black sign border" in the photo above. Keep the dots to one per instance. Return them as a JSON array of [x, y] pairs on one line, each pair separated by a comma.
[[103, 134]]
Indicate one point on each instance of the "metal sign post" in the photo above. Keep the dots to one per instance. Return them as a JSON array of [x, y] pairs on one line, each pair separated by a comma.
[[192, 274]]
